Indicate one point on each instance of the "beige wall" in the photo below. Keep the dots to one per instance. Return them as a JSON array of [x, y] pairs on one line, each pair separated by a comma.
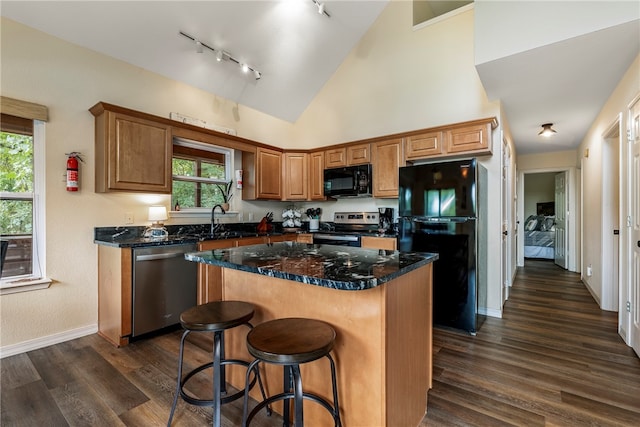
[[396, 79], [538, 187], [592, 170]]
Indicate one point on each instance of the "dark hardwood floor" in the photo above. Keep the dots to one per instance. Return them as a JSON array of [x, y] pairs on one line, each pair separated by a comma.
[[554, 359]]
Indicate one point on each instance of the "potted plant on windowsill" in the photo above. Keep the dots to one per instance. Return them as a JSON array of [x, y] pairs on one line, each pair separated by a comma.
[[225, 192]]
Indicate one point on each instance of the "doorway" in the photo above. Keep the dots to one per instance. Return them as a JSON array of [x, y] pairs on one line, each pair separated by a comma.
[[569, 238]]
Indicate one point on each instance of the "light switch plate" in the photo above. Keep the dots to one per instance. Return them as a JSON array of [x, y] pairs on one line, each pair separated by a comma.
[[128, 218]]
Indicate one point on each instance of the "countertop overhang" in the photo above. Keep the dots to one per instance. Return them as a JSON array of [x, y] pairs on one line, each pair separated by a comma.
[[330, 266]]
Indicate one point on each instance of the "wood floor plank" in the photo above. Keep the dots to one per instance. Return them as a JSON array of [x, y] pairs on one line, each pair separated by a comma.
[[82, 406], [17, 371], [30, 405]]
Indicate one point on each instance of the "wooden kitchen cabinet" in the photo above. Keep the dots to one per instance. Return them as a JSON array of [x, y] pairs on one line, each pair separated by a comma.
[[262, 177], [335, 157], [132, 153], [115, 290], [423, 145], [387, 157], [288, 237], [296, 176], [210, 276], [358, 154], [305, 238], [473, 138], [350, 155], [376, 242], [316, 176]]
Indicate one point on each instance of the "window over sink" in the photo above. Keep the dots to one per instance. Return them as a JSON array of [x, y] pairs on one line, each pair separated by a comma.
[[201, 173]]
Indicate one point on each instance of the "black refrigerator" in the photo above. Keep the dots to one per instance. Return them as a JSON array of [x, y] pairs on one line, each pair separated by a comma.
[[442, 209]]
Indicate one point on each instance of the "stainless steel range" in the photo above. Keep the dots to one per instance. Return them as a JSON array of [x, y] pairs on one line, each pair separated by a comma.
[[348, 227]]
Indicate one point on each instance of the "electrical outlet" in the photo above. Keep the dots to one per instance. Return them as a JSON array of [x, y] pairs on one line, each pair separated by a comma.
[[240, 217], [128, 218], [589, 271]]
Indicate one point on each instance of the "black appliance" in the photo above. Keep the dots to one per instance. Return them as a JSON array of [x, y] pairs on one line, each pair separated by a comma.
[[439, 212], [348, 228], [349, 181]]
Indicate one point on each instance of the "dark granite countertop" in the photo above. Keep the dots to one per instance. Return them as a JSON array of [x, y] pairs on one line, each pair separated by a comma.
[[336, 267], [132, 236]]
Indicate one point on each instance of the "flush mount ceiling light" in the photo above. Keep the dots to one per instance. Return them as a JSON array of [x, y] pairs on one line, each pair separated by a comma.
[[547, 130], [222, 55], [321, 9]]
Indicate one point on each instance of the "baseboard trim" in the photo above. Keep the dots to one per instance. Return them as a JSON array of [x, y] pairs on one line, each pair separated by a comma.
[[34, 344]]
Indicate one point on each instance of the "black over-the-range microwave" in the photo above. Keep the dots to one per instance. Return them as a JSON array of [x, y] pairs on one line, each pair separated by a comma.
[[349, 181]]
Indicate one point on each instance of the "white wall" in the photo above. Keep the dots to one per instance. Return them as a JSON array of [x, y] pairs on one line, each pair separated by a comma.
[[618, 102], [531, 25], [396, 79]]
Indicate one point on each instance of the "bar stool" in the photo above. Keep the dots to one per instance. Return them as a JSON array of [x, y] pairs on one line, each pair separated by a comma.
[[215, 317], [291, 342]]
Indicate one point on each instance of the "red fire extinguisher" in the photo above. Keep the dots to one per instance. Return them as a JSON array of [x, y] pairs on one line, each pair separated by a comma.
[[72, 171]]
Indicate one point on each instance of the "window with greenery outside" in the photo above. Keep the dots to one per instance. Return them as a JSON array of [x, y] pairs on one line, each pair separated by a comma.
[[16, 202], [197, 182]]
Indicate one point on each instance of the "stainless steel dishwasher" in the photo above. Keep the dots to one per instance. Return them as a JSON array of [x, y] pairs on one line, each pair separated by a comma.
[[164, 285]]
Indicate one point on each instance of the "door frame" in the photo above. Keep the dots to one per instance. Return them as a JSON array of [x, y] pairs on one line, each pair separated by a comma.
[[612, 249], [573, 219]]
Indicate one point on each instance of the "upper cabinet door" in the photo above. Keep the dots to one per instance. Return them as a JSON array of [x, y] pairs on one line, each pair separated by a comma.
[[387, 158], [316, 176], [335, 158], [132, 154], [269, 174], [358, 154], [296, 176], [423, 145], [474, 139]]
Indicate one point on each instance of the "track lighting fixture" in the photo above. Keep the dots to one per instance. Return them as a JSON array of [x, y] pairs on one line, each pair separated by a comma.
[[222, 55], [547, 130], [321, 8]]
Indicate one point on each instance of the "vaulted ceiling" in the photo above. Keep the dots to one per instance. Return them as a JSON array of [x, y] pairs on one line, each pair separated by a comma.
[[297, 50]]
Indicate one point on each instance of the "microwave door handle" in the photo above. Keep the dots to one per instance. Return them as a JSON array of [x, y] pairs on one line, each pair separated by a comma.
[[356, 180]]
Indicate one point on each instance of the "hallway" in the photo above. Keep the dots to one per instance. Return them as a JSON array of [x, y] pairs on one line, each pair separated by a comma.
[[554, 359]]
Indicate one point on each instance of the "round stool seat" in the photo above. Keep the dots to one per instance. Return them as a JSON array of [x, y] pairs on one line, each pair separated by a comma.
[[217, 315], [291, 341]]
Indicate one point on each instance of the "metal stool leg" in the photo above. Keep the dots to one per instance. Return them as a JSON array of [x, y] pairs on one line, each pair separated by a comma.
[[217, 377], [175, 397], [334, 382], [286, 387], [297, 393]]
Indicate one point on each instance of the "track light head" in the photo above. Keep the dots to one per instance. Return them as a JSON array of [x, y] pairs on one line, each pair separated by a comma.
[[219, 56], [199, 46], [257, 74]]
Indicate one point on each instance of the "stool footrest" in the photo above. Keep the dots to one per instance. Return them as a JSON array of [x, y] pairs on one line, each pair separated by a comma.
[[226, 399], [291, 395]]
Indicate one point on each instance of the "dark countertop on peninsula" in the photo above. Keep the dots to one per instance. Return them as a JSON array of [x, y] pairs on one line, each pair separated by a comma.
[[336, 267]]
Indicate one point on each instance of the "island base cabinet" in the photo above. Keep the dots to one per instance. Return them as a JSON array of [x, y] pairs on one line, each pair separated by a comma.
[[383, 346]]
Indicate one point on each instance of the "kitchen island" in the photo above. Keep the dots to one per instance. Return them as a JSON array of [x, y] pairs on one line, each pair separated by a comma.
[[378, 301]]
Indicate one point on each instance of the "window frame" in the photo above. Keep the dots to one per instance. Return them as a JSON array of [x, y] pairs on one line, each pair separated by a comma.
[[228, 154], [38, 277]]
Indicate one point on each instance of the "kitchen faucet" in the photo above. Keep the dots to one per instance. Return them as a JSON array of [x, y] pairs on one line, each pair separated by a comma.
[[213, 218]]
